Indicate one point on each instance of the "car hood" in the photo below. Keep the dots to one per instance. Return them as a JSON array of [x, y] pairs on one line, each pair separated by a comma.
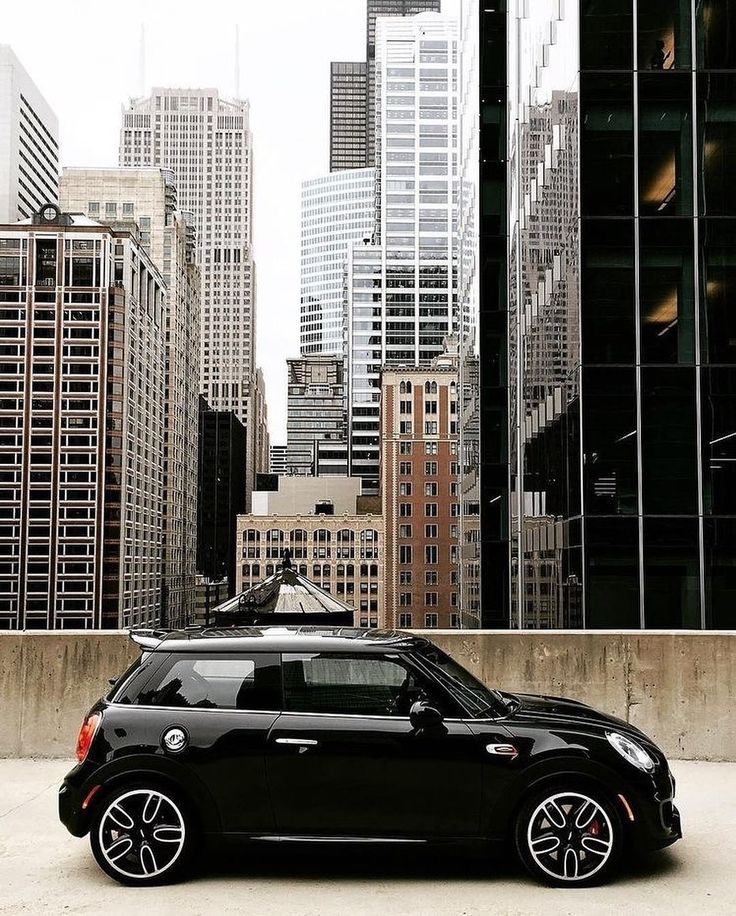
[[549, 709]]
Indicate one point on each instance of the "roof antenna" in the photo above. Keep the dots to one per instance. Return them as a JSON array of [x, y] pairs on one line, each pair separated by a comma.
[[142, 62], [237, 61]]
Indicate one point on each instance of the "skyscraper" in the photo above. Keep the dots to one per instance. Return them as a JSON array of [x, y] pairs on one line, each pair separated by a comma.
[[206, 141], [352, 91], [597, 392], [316, 411], [337, 210], [347, 115], [29, 143], [82, 445], [145, 200], [401, 305]]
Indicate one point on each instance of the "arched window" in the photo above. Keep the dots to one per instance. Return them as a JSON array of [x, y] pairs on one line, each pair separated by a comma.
[[298, 543], [346, 543], [274, 544], [369, 544], [322, 538], [251, 544]]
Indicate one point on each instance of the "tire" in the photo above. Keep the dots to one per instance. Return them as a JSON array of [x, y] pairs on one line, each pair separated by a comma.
[[143, 834], [569, 836]]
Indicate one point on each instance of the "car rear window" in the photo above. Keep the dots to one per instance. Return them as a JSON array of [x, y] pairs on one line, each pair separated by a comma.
[[216, 681]]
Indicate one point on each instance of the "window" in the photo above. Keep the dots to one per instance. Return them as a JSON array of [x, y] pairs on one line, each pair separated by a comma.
[[430, 448], [405, 510], [405, 468], [430, 510], [348, 685], [431, 599], [430, 468], [405, 553], [431, 531], [405, 621], [430, 489], [430, 578], [431, 621], [431, 554], [405, 577], [405, 531], [405, 489], [405, 599], [405, 448], [215, 681]]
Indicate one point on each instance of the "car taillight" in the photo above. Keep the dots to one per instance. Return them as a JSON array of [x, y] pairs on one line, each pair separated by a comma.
[[86, 734]]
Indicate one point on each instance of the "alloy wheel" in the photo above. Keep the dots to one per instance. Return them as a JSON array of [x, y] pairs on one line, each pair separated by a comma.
[[141, 834], [570, 836]]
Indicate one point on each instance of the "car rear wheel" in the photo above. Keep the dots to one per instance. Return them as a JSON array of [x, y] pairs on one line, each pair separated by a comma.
[[569, 837], [143, 835]]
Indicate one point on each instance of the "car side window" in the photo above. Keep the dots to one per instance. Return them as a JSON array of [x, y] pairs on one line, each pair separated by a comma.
[[369, 685], [216, 681]]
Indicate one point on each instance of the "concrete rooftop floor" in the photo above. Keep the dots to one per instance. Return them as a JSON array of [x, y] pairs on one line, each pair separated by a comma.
[[45, 870]]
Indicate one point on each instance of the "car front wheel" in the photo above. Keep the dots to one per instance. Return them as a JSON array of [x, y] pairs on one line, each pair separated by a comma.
[[569, 837], [142, 835]]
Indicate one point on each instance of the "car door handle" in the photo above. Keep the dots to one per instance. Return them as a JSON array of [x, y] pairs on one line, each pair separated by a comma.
[[298, 742]]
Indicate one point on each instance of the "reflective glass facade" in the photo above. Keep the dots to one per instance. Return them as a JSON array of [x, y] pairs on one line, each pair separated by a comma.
[[612, 154]]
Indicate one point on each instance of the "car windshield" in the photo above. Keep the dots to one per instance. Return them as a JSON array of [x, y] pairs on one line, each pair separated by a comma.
[[479, 699]]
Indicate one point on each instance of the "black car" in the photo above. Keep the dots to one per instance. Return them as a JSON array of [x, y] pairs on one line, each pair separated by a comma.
[[310, 734]]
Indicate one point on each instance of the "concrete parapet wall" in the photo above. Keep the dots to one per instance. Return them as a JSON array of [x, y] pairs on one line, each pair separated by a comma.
[[679, 687]]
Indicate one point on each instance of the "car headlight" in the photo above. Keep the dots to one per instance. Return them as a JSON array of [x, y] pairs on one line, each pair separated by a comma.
[[633, 752]]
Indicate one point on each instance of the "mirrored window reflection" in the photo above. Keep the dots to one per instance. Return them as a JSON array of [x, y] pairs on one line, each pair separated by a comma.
[[718, 398], [671, 573], [606, 35], [607, 147], [609, 441], [668, 434], [719, 535], [718, 290], [666, 292], [612, 573], [717, 142], [607, 286], [663, 34], [716, 28], [665, 145]]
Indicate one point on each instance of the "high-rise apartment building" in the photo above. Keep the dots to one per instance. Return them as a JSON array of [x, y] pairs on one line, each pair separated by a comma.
[[401, 304], [29, 143], [597, 386], [144, 199], [278, 462], [315, 410], [337, 210], [221, 492], [419, 490], [82, 380], [352, 90], [206, 141], [347, 115]]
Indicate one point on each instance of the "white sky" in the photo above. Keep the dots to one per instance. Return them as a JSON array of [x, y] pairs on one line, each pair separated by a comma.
[[84, 55]]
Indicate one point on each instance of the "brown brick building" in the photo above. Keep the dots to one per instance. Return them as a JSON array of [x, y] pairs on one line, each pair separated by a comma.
[[419, 487]]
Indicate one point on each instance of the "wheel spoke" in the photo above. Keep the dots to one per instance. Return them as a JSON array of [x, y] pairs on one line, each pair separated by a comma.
[[596, 845], [119, 816], [545, 844], [554, 814], [152, 807], [586, 813], [148, 860], [167, 834], [119, 848], [570, 863]]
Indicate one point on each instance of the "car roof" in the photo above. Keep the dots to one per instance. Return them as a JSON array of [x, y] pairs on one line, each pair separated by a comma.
[[276, 639]]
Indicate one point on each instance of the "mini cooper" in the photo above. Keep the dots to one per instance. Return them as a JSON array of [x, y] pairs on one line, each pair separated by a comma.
[[333, 735]]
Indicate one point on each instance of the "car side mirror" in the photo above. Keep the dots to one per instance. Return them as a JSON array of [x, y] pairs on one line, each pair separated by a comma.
[[422, 715]]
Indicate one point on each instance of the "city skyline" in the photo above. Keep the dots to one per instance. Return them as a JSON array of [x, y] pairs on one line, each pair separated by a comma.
[[189, 52]]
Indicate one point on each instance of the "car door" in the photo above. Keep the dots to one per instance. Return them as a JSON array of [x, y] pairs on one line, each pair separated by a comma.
[[226, 703], [345, 760]]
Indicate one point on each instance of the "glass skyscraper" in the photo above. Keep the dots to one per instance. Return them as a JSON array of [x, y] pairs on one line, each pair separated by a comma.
[[597, 267]]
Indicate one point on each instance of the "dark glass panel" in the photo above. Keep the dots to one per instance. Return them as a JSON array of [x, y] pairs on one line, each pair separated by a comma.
[[606, 35], [609, 441], [607, 292], [46, 262], [607, 145], [612, 573], [718, 399], [667, 292], [718, 290], [665, 145], [663, 34], [720, 573], [668, 441], [716, 29], [717, 143], [671, 573]]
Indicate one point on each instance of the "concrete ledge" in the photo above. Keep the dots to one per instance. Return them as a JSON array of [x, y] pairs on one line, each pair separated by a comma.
[[679, 687]]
